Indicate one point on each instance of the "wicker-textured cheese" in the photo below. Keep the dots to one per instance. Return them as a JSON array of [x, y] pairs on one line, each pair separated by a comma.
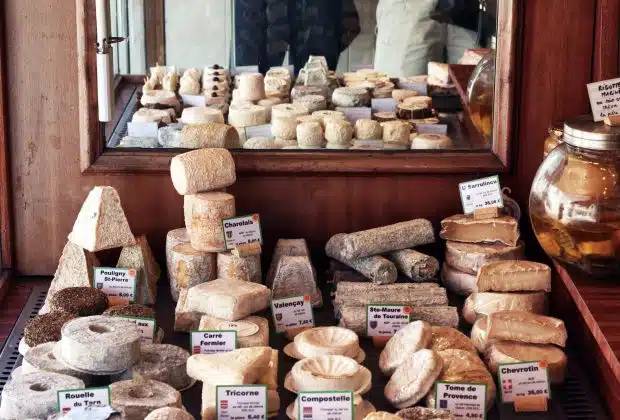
[[230, 266], [457, 281], [140, 257], [246, 114], [409, 339], [514, 276], [252, 331], [526, 327], [288, 111], [339, 132], [204, 213], [464, 228], [184, 319], [251, 86], [288, 247], [368, 130], [310, 134], [228, 299], [189, 267], [396, 132], [431, 141], [202, 170], [284, 127], [201, 115], [414, 378], [350, 97], [296, 276], [501, 352], [468, 258], [312, 102], [485, 303], [417, 266]]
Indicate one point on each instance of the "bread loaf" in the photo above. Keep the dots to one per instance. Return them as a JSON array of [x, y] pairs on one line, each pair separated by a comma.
[[230, 266], [415, 265], [485, 303], [526, 327], [247, 114], [189, 267], [501, 352], [202, 170], [464, 228], [512, 276], [468, 258], [204, 213], [458, 282]]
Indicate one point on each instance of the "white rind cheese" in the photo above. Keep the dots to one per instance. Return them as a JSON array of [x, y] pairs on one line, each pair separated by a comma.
[[140, 257], [251, 86], [296, 276], [210, 135], [351, 97], [164, 363], [247, 114], [284, 127], [184, 319], [310, 134], [285, 247], [368, 130], [203, 214], [458, 282], [396, 132], [431, 141], [189, 267], [201, 115], [202, 170], [338, 132], [485, 303], [468, 258], [247, 268]]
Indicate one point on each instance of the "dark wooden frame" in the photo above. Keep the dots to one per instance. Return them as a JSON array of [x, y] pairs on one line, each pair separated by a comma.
[[94, 158], [606, 44]]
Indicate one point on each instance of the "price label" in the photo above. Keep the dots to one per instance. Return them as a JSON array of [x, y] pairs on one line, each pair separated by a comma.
[[523, 380], [211, 342], [145, 325], [194, 100], [142, 129], [604, 98], [245, 402], [464, 401], [432, 129], [332, 405], [480, 194], [352, 114], [386, 320], [242, 230], [258, 131], [246, 69], [384, 105], [118, 283], [70, 399], [292, 312]]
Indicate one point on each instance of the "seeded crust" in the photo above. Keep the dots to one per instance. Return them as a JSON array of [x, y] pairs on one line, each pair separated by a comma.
[[82, 301], [44, 328], [133, 309]]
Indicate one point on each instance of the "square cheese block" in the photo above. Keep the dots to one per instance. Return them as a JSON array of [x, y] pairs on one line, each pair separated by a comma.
[[184, 319], [237, 367], [228, 299], [464, 228], [252, 331], [514, 276]]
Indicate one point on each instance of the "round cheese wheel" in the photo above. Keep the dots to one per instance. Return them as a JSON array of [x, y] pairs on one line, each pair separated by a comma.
[[164, 363], [210, 134], [169, 413], [326, 115], [201, 114], [190, 174], [284, 127], [299, 91], [338, 132], [164, 116], [312, 102], [135, 400], [160, 97], [189, 267], [368, 130], [288, 111], [338, 146], [310, 134], [247, 115], [396, 132], [203, 214], [310, 118], [251, 86], [351, 97], [269, 103], [431, 141], [279, 72], [400, 94], [418, 100]]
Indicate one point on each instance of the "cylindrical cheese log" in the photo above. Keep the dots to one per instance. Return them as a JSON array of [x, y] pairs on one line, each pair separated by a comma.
[[396, 132], [164, 116], [277, 86], [338, 131], [135, 400], [417, 266], [458, 282], [173, 238], [354, 317], [468, 258], [288, 111], [400, 94], [245, 250], [312, 102], [368, 130], [201, 115], [202, 170], [210, 135], [310, 134], [245, 114], [413, 294], [284, 127], [247, 268], [204, 213], [99, 344], [164, 363], [426, 101], [310, 118], [387, 238], [299, 91], [431, 141], [485, 303], [350, 97], [251, 86], [189, 267]]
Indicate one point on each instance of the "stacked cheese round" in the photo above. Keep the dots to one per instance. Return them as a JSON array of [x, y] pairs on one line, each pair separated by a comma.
[[338, 133], [164, 363], [284, 128], [310, 135], [288, 111], [251, 86], [246, 114], [368, 130], [351, 97], [200, 115], [204, 213], [312, 102], [431, 141]]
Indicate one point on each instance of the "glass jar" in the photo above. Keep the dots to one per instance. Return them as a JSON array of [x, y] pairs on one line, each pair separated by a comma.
[[556, 133], [575, 198], [480, 94]]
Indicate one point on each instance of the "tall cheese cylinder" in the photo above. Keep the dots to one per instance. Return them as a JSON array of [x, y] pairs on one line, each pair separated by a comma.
[[189, 267], [204, 213], [247, 268], [173, 238], [202, 170]]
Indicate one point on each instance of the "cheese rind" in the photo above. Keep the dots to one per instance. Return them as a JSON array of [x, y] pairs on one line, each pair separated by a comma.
[[396, 132], [210, 135], [350, 97], [285, 247], [204, 213], [417, 266], [478, 335], [189, 267], [464, 228], [512, 275], [184, 319], [468, 258], [247, 114], [202, 170], [368, 130], [338, 132], [409, 339], [310, 134], [444, 338], [485, 303], [354, 317], [237, 367], [296, 276], [201, 115], [414, 378], [526, 327], [134, 401], [251, 86], [284, 127], [230, 266], [456, 281]]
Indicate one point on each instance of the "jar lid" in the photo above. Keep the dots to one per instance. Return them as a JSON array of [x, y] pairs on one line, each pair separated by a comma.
[[584, 132]]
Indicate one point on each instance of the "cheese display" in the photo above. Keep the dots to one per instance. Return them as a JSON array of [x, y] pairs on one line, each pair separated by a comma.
[[444, 338], [201, 115], [312, 102], [247, 250], [286, 247], [140, 257], [338, 132], [189, 267], [203, 214], [163, 116], [478, 335], [135, 400], [251, 86], [485, 303], [465, 228], [209, 134], [284, 127], [310, 135], [101, 222], [185, 320], [408, 340], [510, 276], [414, 378], [252, 331], [322, 341], [288, 111], [169, 413], [80, 301], [468, 257], [415, 265], [164, 363], [396, 132], [202, 170], [350, 97], [294, 276], [333, 372], [230, 266], [526, 327], [243, 114], [354, 317]]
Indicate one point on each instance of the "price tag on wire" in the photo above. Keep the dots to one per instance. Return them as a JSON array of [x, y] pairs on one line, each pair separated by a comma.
[[463, 400], [292, 312], [480, 194], [527, 379]]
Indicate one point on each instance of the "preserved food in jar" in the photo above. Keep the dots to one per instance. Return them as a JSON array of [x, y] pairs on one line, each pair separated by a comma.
[[556, 133], [575, 199]]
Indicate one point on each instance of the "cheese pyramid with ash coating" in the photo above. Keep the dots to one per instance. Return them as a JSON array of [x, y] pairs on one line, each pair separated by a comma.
[[140, 257], [101, 223]]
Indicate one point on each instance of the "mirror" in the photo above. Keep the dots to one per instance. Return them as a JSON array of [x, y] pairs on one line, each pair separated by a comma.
[[423, 70]]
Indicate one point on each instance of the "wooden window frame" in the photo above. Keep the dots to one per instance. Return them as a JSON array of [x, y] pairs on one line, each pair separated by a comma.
[[96, 159]]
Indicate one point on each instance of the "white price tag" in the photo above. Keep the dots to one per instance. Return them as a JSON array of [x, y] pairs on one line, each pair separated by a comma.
[[386, 320], [523, 380], [243, 402], [292, 312], [118, 283], [242, 230], [604, 98], [258, 131], [332, 405], [432, 129], [70, 399], [464, 401], [480, 194], [194, 100], [384, 105], [246, 69], [352, 114], [146, 327], [142, 129], [211, 342]]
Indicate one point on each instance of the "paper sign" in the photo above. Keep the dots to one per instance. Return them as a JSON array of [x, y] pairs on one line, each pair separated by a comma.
[[243, 402], [353, 114], [69, 399], [211, 342], [146, 327], [118, 283], [480, 194], [384, 105], [292, 312], [242, 230], [246, 69], [432, 129], [258, 131], [386, 320], [523, 380], [604, 98], [464, 401], [194, 100], [419, 87], [333, 405], [142, 129]]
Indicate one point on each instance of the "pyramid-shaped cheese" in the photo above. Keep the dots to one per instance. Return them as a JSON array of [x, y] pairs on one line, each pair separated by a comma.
[[296, 276], [228, 299], [184, 319], [140, 257], [286, 247], [75, 269], [237, 367], [101, 223]]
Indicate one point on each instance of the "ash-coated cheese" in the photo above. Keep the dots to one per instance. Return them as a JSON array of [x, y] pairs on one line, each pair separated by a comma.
[[202, 170], [140, 257], [468, 258], [481, 304], [408, 111], [338, 132], [189, 267], [457, 281], [312, 102], [284, 127], [230, 266], [201, 115], [228, 299], [164, 363], [210, 135], [310, 134], [251, 86], [351, 97], [252, 331], [135, 400], [247, 114], [204, 213], [415, 265], [431, 141], [368, 130], [288, 111], [396, 132]]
